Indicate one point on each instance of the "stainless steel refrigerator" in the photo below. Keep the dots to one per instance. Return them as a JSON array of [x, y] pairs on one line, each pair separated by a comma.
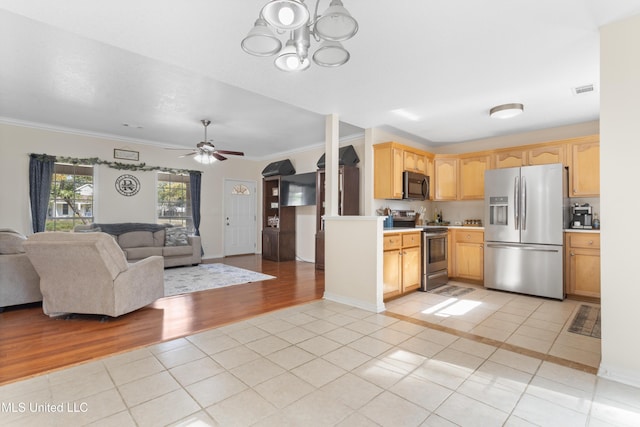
[[526, 212]]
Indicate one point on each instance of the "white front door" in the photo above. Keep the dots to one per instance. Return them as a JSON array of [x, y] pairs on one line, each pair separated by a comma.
[[240, 223]]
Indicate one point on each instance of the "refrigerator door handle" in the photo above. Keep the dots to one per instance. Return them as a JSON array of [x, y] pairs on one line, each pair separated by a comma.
[[516, 203], [524, 203], [521, 248]]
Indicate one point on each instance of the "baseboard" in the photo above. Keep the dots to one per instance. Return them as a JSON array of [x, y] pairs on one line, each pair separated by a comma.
[[375, 308], [631, 378]]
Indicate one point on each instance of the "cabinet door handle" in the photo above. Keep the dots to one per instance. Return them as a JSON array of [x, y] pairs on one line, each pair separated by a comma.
[[572, 254]]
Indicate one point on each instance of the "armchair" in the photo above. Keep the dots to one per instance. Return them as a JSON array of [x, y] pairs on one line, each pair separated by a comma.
[[87, 273]]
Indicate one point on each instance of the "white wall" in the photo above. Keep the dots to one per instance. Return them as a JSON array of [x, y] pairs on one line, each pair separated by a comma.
[[619, 154], [16, 142]]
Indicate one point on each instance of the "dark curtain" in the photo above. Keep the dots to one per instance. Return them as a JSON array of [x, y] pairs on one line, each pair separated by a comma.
[[40, 176], [195, 179]]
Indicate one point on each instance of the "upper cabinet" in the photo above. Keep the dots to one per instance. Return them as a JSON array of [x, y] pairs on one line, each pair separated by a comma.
[[547, 154], [472, 176], [584, 168], [390, 159], [388, 163], [461, 176], [415, 162], [509, 158], [446, 178]]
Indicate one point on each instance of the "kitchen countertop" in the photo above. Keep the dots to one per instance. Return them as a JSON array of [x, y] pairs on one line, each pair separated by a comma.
[[409, 229]]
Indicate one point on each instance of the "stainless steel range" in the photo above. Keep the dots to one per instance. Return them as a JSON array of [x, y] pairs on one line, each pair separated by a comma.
[[434, 258]]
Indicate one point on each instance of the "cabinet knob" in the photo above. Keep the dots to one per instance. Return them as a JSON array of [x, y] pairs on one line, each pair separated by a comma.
[[591, 242], [572, 254], [468, 236]]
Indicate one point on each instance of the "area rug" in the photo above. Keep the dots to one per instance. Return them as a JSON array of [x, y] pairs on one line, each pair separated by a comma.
[[586, 321], [184, 280], [452, 291]]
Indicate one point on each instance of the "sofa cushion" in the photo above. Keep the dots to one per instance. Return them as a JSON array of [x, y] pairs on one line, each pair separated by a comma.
[[139, 253], [176, 236], [135, 239], [11, 242], [177, 250], [158, 238]]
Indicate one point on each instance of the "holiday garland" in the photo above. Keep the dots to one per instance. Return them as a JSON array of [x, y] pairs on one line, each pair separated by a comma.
[[114, 165]]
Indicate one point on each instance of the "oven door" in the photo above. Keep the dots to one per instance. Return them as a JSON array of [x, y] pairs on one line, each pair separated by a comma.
[[434, 256]]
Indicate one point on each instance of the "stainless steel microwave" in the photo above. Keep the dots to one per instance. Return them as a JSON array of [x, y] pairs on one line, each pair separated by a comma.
[[415, 186]]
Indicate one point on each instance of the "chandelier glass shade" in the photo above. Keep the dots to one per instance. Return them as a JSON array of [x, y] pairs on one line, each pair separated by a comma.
[[292, 16], [261, 41]]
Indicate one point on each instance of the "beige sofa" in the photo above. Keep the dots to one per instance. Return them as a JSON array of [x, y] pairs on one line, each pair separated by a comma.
[[142, 240], [87, 273], [19, 281]]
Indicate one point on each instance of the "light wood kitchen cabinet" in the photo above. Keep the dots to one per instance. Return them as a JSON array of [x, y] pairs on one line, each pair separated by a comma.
[[471, 176], [585, 169], [468, 255], [446, 178], [547, 154], [391, 267], [511, 158], [582, 258], [401, 263], [388, 164], [415, 162]]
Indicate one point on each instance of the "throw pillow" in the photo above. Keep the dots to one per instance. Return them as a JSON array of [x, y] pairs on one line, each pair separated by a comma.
[[176, 236], [11, 242]]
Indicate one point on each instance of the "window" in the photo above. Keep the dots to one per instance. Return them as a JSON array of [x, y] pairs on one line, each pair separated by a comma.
[[174, 200], [71, 198]]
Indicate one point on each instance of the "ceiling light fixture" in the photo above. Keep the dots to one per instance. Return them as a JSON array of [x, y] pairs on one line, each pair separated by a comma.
[[332, 27], [506, 111]]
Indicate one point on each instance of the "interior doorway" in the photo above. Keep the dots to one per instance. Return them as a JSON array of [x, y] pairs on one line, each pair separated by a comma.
[[240, 217]]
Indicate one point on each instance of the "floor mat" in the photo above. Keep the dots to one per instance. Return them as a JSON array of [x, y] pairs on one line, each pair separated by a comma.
[[452, 291], [586, 321]]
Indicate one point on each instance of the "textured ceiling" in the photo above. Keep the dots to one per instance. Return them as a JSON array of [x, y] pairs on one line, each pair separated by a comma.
[[424, 68]]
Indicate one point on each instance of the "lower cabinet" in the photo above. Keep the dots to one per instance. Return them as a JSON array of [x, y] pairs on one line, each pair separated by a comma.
[[468, 255], [582, 264], [278, 245], [401, 263]]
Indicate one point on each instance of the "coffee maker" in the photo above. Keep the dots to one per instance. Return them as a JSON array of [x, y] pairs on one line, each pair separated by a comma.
[[581, 216]]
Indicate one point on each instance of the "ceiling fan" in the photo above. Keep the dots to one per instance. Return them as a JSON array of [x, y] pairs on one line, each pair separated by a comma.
[[205, 151]]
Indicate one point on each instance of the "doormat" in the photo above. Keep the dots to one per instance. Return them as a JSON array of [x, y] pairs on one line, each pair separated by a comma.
[[586, 322], [452, 291]]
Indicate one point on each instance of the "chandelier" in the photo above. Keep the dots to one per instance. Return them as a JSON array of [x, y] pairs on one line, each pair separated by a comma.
[[331, 28]]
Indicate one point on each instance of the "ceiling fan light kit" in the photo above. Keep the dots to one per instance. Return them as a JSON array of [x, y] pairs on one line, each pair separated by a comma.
[[506, 111], [335, 25]]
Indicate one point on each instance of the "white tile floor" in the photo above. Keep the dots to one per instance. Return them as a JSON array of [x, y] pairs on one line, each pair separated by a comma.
[[535, 324], [326, 364]]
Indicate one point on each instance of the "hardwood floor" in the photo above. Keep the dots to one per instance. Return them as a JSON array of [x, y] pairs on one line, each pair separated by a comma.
[[32, 343]]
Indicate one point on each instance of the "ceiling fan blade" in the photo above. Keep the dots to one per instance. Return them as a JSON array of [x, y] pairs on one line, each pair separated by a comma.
[[188, 154], [233, 153], [218, 156]]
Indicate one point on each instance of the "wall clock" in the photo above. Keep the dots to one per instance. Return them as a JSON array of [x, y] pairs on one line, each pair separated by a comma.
[[127, 185]]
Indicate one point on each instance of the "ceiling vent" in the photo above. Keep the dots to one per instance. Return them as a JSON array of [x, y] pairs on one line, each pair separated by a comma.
[[581, 90]]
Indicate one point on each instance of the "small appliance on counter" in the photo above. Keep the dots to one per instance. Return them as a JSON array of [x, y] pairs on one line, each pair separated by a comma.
[[404, 219], [581, 216]]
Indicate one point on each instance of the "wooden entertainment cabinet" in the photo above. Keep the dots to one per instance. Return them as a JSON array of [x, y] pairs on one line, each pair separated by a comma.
[[278, 223]]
